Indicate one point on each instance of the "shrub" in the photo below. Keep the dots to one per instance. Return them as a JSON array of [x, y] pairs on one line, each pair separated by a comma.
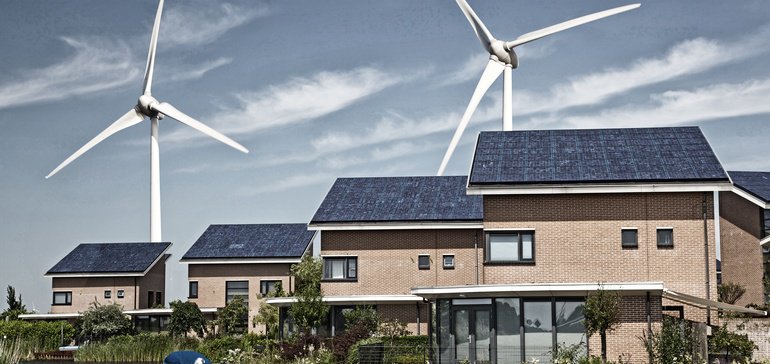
[[217, 348], [233, 317], [344, 341], [101, 322], [675, 343], [300, 346], [366, 316], [730, 344], [186, 317], [308, 311], [38, 335], [730, 292]]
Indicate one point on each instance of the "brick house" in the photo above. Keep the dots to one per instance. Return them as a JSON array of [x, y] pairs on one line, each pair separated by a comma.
[[745, 233], [246, 261], [130, 274]]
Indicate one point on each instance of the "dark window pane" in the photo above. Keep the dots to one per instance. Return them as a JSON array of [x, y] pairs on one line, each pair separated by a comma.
[[352, 267], [629, 238], [237, 289], [423, 262], [449, 261], [569, 322], [193, 290], [665, 238], [107, 294], [508, 335]]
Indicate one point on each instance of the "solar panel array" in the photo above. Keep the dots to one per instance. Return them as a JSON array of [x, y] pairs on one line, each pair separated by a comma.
[[399, 199], [251, 241], [673, 154], [110, 258], [755, 183]]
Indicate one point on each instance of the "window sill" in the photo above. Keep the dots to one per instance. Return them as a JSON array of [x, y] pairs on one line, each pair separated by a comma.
[[529, 262], [630, 247], [61, 304], [329, 280], [666, 247]]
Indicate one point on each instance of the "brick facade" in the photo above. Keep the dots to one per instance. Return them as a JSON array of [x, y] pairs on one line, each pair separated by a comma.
[[740, 230], [624, 340]]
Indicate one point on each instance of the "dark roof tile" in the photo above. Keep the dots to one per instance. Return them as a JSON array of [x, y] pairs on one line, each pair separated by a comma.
[[251, 241], [94, 258], [755, 183]]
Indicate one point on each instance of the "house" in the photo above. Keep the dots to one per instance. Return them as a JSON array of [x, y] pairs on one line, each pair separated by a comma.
[[745, 233], [500, 261], [132, 275], [246, 261]]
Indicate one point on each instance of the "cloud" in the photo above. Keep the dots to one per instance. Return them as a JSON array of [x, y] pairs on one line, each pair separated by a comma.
[[678, 107], [381, 154], [96, 65], [186, 73], [198, 23], [298, 100], [290, 182]]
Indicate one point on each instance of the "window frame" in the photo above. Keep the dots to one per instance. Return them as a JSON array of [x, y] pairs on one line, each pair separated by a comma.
[[420, 264], [67, 298], [443, 261], [520, 233], [636, 238], [346, 269], [190, 285], [263, 284], [150, 299], [658, 232], [227, 288], [107, 294], [121, 294]]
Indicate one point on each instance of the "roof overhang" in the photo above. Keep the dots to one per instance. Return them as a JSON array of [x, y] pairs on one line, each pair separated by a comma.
[[397, 226], [536, 290], [242, 261], [351, 300], [163, 311], [49, 316], [750, 197], [764, 241], [561, 189], [161, 257], [704, 303]]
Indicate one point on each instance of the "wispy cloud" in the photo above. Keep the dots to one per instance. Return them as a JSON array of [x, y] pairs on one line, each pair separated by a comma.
[[203, 22], [96, 65], [298, 100], [186, 73], [677, 107], [290, 182]]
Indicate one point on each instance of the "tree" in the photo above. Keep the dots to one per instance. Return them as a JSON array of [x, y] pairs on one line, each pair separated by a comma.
[[101, 322], [730, 292], [730, 344], [308, 311], [233, 318], [601, 312], [186, 317], [268, 315], [15, 306]]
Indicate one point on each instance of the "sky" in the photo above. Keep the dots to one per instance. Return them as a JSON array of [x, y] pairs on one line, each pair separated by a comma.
[[323, 89]]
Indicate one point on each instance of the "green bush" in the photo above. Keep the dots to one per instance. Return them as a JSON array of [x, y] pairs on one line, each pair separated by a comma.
[[100, 322], [730, 344], [38, 335], [216, 348], [675, 343]]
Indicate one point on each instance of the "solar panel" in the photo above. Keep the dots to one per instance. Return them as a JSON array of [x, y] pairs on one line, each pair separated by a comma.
[[251, 241], [110, 258]]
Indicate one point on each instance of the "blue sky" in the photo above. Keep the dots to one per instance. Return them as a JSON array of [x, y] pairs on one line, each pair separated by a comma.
[[322, 89]]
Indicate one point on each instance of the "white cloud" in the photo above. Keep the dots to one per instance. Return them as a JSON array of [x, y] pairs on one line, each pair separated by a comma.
[[199, 23], [290, 182], [677, 107], [185, 73], [96, 65]]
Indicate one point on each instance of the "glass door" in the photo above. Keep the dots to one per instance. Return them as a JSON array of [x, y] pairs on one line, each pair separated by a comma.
[[472, 332]]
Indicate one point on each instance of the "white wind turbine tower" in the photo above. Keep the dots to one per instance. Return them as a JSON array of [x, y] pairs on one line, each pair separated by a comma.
[[149, 107], [502, 59]]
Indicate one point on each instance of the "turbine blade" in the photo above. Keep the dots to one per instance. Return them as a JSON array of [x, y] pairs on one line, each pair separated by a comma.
[[132, 117], [491, 73], [485, 37], [526, 38], [172, 112], [146, 89]]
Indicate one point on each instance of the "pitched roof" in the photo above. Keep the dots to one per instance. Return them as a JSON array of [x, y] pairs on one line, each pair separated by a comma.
[[110, 258], [399, 199], [755, 183], [638, 155], [251, 241]]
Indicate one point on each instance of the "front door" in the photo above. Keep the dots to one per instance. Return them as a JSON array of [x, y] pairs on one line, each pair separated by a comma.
[[472, 332]]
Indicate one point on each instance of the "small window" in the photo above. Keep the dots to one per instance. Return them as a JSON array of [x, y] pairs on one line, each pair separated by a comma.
[[423, 261], [629, 238], [510, 247], [192, 291], [150, 299], [107, 294], [340, 268], [449, 261], [665, 238], [237, 289], [121, 293], [267, 287], [159, 298], [62, 298]]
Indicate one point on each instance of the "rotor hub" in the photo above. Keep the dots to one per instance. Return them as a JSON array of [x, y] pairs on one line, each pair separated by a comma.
[[508, 56], [146, 105]]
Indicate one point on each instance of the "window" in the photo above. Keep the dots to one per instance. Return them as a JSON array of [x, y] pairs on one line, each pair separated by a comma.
[[423, 261], [665, 238], [341, 268], [62, 298], [107, 294], [765, 222], [121, 293], [266, 287], [510, 247], [629, 238], [237, 289], [449, 261], [159, 298], [192, 291], [150, 299]]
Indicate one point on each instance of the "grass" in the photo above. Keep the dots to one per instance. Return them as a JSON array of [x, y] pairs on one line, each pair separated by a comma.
[[140, 348], [11, 351]]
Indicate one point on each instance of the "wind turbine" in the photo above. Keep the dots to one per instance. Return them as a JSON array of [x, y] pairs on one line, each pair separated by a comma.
[[149, 107], [502, 59]]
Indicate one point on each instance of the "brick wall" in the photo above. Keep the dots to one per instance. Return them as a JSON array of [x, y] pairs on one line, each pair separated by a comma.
[[155, 281], [740, 230], [624, 339], [86, 290], [407, 313], [211, 280]]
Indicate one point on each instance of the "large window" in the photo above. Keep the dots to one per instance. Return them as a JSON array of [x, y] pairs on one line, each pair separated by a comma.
[[266, 287], [340, 268], [62, 298], [510, 247], [237, 289]]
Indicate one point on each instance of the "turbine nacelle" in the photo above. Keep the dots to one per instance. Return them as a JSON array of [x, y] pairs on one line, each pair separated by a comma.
[[499, 52], [146, 105]]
